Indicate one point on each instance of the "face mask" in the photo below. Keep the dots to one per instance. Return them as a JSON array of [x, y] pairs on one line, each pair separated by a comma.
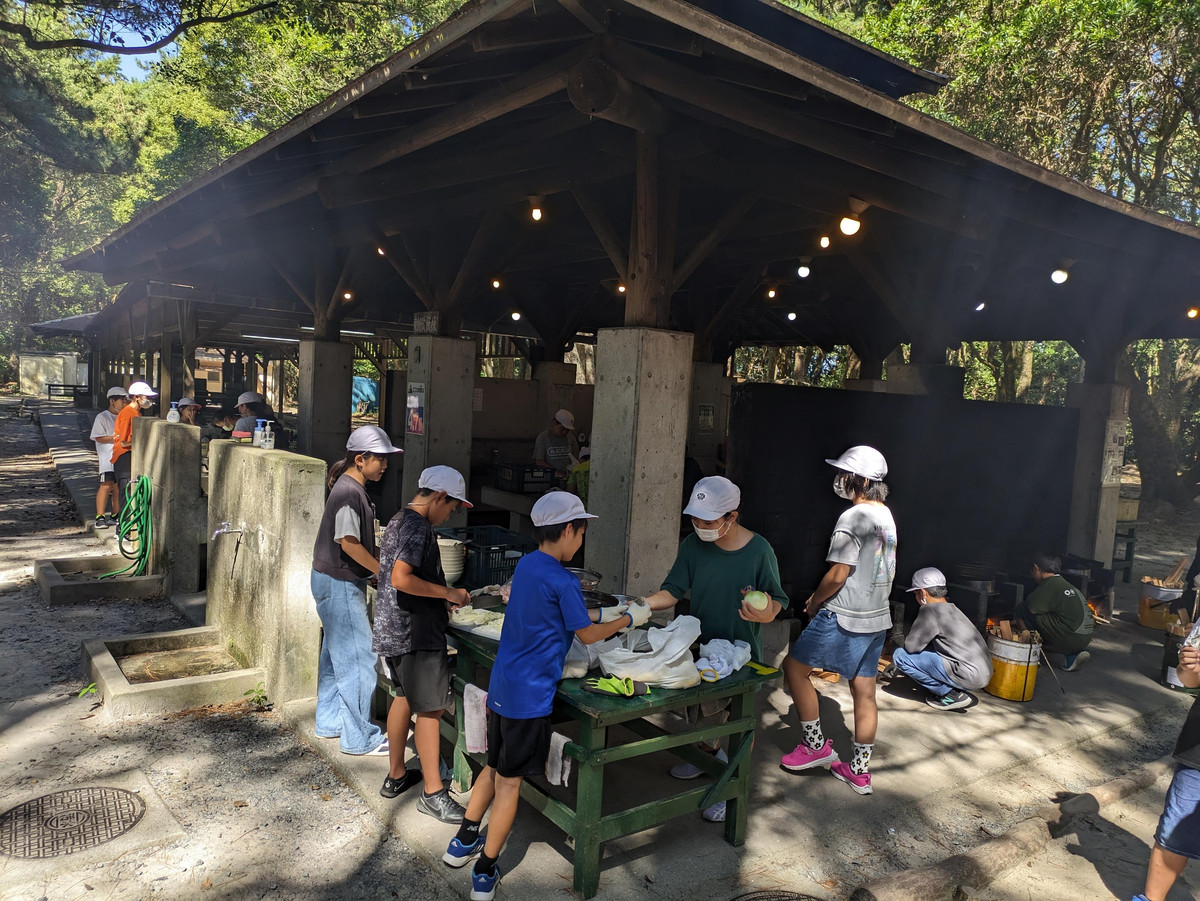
[[226, 428], [144, 403], [712, 534], [839, 487]]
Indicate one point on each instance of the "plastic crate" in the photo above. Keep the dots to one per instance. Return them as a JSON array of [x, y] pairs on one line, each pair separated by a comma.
[[522, 478], [492, 553]]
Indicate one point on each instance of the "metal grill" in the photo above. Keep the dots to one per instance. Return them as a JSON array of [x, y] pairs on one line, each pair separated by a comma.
[[68, 821]]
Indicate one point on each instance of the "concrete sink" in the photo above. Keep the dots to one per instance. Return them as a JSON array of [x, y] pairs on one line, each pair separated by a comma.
[[139, 675], [75, 580]]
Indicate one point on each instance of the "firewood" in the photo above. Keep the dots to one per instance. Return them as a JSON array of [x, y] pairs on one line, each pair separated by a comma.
[[1006, 630], [1173, 580]]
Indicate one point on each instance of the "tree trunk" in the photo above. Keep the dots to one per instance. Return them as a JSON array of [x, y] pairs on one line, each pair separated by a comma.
[[1016, 370], [1157, 460]]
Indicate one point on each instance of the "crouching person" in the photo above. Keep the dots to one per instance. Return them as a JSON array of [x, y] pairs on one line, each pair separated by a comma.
[[943, 651], [546, 608]]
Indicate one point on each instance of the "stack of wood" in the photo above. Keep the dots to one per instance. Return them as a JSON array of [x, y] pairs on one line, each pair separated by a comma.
[[1174, 579], [1184, 626], [1011, 630]]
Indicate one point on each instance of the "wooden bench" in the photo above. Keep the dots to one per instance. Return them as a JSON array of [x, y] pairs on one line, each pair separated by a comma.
[[1123, 561]]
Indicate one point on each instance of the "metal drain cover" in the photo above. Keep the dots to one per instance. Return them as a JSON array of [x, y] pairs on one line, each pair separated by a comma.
[[68, 821]]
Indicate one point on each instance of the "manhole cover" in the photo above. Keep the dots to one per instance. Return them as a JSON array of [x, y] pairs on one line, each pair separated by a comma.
[[68, 821], [773, 895]]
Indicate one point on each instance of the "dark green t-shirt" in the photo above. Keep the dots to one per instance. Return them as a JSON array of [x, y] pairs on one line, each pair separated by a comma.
[[714, 579], [1062, 613]]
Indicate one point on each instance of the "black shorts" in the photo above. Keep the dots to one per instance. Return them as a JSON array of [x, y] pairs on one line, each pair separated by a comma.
[[123, 466], [423, 679], [109, 476], [518, 747]]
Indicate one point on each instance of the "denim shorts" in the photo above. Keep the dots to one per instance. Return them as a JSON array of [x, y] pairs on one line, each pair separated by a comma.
[[824, 644], [1179, 826]]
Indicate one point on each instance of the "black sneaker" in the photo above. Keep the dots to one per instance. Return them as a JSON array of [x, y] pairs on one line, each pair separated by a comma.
[[441, 806], [889, 672], [395, 787], [951, 701]]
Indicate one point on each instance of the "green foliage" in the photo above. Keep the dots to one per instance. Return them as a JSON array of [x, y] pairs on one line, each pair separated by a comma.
[[89, 689], [256, 697]]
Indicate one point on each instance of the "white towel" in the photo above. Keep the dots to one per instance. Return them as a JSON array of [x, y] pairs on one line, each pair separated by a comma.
[[475, 719], [558, 765], [720, 658]]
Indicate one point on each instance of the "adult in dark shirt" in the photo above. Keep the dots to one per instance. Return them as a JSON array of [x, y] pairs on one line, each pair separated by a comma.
[[1177, 838], [1059, 611], [344, 558], [411, 615]]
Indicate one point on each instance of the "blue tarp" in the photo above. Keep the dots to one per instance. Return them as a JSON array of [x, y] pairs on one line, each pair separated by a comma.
[[364, 395]]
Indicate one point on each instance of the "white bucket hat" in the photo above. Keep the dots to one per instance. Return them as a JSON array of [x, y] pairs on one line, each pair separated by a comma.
[[929, 577], [371, 439], [862, 460], [447, 479], [558, 507], [712, 498]]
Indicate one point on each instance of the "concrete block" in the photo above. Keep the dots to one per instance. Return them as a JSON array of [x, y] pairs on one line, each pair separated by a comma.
[[122, 698], [258, 579], [168, 453], [643, 385], [75, 580]]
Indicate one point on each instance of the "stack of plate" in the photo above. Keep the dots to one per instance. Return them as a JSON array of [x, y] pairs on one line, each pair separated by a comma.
[[454, 558]]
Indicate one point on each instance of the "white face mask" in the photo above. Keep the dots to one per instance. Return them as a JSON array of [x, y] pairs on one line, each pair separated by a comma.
[[712, 534], [144, 403], [839, 487]]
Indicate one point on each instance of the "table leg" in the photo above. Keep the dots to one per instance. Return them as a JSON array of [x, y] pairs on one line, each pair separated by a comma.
[[589, 795], [737, 809]]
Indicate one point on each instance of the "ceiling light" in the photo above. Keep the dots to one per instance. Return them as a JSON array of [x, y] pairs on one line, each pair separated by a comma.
[[342, 331], [381, 251], [849, 225], [535, 207], [1062, 273], [620, 289], [516, 316], [1193, 313], [804, 270], [824, 241], [495, 283], [792, 316], [771, 292], [979, 307], [346, 295]]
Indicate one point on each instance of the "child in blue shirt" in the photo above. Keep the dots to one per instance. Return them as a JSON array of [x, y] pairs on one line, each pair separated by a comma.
[[545, 610]]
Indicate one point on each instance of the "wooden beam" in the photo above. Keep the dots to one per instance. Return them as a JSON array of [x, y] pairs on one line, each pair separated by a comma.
[[750, 280], [597, 89], [474, 256], [399, 257], [593, 16], [603, 229], [705, 246]]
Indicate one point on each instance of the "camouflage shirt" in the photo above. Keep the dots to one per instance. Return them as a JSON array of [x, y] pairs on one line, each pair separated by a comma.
[[407, 622]]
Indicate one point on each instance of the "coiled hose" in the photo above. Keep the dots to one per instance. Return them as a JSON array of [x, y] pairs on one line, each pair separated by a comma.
[[134, 529]]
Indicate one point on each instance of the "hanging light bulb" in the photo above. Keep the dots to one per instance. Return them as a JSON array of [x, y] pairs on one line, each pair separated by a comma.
[[1193, 313], [516, 316], [381, 251], [346, 295], [535, 207], [1062, 273], [792, 316], [495, 283], [771, 293], [980, 307], [804, 270], [620, 289], [849, 225], [824, 241]]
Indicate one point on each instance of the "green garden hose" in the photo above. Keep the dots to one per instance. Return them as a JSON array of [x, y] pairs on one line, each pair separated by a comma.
[[134, 529]]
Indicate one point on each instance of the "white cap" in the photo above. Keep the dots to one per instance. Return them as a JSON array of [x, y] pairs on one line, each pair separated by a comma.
[[251, 397], [447, 479], [565, 418], [712, 498], [585, 453], [862, 461], [116, 392], [929, 577], [557, 507], [369, 439], [186, 402], [141, 389]]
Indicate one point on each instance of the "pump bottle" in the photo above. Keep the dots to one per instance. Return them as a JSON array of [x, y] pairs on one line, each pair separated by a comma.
[[258, 433], [268, 436], [173, 413]]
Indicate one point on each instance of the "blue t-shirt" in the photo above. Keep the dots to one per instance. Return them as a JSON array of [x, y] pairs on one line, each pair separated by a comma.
[[545, 608]]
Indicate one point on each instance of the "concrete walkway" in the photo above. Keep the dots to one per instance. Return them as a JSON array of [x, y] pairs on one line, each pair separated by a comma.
[[943, 781]]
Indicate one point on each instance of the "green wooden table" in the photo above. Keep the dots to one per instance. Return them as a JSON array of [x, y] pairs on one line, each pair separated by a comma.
[[595, 714]]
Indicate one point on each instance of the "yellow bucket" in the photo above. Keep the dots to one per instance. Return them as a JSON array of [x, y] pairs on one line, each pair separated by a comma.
[[1014, 669]]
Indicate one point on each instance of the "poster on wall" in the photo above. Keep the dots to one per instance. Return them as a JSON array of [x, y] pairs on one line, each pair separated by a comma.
[[1114, 453], [706, 418], [414, 418]]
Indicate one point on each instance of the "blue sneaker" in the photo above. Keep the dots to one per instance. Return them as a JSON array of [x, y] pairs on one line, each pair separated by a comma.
[[457, 854], [483, 887]]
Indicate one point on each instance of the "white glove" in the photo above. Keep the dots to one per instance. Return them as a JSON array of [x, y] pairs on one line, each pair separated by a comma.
[[608, 614], [640, 611]]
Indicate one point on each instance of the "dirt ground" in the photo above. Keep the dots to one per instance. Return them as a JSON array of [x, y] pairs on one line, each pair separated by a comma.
[[263, 816]]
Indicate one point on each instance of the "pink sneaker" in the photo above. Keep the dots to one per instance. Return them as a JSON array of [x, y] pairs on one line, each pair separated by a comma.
[[860, 783], [805, 758]]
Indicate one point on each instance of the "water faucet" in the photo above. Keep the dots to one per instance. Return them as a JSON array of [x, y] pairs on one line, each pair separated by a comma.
[[224, 529]]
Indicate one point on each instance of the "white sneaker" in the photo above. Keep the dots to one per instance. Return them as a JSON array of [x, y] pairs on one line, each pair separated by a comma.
[[687, 770], [715, 813]]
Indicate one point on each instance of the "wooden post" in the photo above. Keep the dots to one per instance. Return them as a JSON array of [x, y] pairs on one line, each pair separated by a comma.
[[648, 300]]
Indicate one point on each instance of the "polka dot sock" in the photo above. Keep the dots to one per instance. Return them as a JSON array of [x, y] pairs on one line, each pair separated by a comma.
[[862, 757], [813, 736]]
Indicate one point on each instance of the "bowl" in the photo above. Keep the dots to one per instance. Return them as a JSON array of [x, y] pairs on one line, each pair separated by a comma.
[[588, 579]]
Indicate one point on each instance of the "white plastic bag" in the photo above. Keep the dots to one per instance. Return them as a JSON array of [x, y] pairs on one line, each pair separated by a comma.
[[658, 657], [577, 663]]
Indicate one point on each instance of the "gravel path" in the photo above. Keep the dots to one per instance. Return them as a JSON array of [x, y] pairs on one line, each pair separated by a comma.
[[264, 816]]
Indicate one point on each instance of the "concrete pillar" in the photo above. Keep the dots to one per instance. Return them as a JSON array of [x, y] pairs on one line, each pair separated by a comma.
[[326, 377], [640, 427], [708, 417], [556, 387], [169, 454], [441, 380], [258, 579], [1099, 455]]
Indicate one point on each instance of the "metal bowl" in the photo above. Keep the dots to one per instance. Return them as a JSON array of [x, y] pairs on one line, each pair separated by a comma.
[[588, 579], [597, 599]]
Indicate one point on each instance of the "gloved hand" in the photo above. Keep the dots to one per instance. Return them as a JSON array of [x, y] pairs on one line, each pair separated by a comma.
[[640, 611], [608, 614]]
